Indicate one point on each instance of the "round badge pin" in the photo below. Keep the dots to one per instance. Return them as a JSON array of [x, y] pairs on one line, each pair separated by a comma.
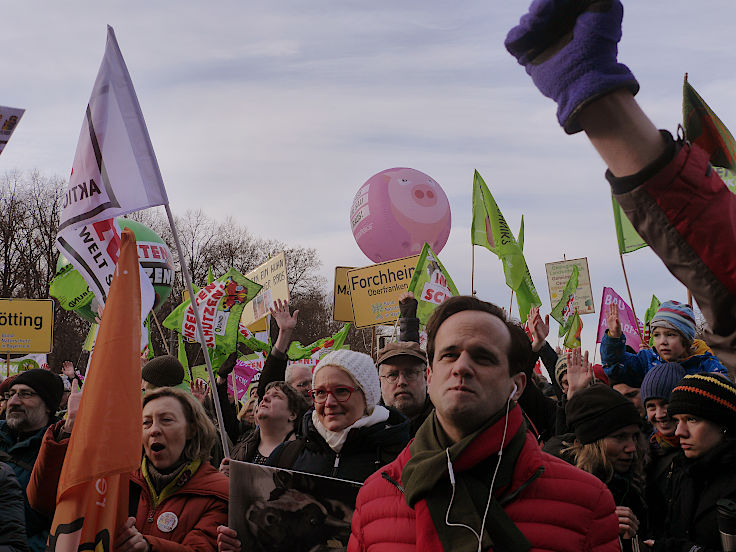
[[167, 522]]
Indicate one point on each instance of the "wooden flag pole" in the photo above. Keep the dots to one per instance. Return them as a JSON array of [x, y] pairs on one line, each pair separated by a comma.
[[200, 331], [631, 300], [472, 270], [511, 304], [161, 333], [689, 297]]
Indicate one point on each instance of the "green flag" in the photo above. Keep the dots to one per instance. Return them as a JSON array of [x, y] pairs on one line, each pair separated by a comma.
[[489, 229], [628, 239], [563, 309], [251, 341], [297, 351], [210, 275], [520, 239], [430, 284], [220, 306], [572, 338], [651, 311], [182, 354], [704, 128]]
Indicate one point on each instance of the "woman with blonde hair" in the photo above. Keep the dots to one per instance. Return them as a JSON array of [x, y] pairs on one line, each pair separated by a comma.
[[176, 496]]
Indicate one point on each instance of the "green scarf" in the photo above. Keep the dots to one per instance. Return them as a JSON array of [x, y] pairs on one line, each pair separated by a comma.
[[425, 477], [180, 476]]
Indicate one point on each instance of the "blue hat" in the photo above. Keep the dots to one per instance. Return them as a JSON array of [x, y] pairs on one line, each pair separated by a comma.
[[660, 381], [675, 316]]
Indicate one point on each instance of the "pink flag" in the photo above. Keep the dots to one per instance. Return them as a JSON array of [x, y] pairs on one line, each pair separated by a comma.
[[626, 316]]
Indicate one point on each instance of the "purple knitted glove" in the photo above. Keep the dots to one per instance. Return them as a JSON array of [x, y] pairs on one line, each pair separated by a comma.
[[569, 48]]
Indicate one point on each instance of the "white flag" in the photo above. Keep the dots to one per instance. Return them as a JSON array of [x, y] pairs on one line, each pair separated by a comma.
[[115, 169], [9, 119]]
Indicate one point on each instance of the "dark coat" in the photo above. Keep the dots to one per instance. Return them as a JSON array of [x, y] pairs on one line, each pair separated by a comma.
[[696, 485], [365, 450], [12, 514]]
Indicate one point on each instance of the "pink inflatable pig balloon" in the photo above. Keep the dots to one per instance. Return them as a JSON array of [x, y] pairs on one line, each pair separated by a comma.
[[396, 211]]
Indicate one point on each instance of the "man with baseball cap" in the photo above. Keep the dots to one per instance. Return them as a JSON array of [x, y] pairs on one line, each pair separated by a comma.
[[33, 399], [402, 369]]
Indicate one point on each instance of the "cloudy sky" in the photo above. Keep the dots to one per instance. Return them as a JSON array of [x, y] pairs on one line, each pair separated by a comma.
[[276, 113]]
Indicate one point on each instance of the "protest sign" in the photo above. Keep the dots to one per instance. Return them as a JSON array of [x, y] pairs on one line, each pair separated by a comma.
[[271, 275], [26, 325], [243, 374], [342, 305], [375, 290], [430, 283], [285, 511], [558, 274], [22, 363], [626, 316], [9, 119]]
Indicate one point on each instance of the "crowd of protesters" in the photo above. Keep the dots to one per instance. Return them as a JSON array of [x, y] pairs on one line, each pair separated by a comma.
[[462, 446]]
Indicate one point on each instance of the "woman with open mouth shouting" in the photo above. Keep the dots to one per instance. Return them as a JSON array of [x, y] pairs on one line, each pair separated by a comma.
[[176, 496]]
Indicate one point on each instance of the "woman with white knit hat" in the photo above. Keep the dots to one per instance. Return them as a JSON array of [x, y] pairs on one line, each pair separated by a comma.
[[347, 434]]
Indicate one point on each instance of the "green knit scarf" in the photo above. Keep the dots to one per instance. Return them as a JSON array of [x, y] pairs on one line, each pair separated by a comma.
[[425, 477]]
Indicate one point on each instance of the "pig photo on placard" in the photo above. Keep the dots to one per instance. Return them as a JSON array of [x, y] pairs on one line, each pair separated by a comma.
[[281, 510]]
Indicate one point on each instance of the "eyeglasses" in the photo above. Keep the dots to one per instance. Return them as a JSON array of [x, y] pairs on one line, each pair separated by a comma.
[[22, 394], [341, 394], [409, 375]]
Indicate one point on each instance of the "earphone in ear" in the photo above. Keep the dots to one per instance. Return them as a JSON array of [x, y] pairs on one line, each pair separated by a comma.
[[513, 392]]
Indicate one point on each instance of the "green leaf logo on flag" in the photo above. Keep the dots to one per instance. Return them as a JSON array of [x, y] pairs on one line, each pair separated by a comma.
[[220, 305], [572, 339], [563, 310], [297, 351], [430, 284]]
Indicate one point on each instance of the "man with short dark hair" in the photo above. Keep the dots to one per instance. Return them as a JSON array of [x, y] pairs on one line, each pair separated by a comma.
[[33, 399], [402, 369], [474, 477]]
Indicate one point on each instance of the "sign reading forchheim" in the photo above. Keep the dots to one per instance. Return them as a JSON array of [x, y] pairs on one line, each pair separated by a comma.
[[26, 325], [375, 290]]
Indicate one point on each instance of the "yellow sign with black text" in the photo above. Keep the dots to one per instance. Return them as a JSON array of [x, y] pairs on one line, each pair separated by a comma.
[[26, 325], [342, 306], [375, 290]]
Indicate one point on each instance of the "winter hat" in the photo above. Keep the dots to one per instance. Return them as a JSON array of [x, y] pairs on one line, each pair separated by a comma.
[[675, 316], [560, 368], [708, 395], [6, 384], [47, 384], [598, 411], [360, 366], [163, 371], [401, 348], [660, 381]]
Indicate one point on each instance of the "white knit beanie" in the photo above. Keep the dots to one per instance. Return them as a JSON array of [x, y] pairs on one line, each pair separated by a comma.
[[358, 365]]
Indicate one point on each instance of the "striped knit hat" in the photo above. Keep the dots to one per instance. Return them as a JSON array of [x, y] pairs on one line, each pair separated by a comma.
[[676, 316], [706, 395]]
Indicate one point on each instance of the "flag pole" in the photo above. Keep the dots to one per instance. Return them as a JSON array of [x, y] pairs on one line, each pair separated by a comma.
[[200, 330], [472, 270], [631, 300], [161, 332], [511, 304]]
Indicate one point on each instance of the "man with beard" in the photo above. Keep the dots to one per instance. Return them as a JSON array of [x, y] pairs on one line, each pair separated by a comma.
[[32, 400]]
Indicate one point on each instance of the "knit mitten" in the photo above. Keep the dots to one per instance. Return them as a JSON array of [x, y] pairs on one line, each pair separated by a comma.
[[569, 48]]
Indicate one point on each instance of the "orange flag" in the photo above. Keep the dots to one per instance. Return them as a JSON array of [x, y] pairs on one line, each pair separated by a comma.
[[105, 446]]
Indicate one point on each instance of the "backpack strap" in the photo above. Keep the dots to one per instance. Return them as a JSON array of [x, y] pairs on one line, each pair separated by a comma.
[[9, 458]]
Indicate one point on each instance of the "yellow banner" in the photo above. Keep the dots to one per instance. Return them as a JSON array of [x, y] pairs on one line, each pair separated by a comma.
[[272, 276], [26, 325], [342, 306], [375, 290]]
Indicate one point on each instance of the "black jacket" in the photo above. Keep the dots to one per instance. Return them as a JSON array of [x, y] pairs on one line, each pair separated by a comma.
[[696, 485], [365, 450], [12, 513]]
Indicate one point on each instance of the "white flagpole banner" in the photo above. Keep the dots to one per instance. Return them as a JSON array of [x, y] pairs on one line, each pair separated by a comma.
[[115, 170], [9, 119]]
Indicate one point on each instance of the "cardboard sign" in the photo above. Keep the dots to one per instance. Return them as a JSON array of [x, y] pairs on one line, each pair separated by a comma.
[[342, 304], [375, 290], [26, 325], [557, 276], [272, 276]]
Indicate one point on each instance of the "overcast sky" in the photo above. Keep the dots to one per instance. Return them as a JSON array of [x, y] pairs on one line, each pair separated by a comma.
[[275, 113]]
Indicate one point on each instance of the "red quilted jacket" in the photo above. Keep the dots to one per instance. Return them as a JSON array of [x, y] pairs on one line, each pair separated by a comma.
[[564, 509]]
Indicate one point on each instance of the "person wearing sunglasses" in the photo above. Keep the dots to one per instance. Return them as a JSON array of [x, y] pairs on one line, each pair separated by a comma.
[[347, 434]]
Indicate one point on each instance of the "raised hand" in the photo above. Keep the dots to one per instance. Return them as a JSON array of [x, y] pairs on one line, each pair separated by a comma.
[[72, 406], [67, 368], [579, 372], [614, 323], [280, 313], [199, 389], [539, 328]]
